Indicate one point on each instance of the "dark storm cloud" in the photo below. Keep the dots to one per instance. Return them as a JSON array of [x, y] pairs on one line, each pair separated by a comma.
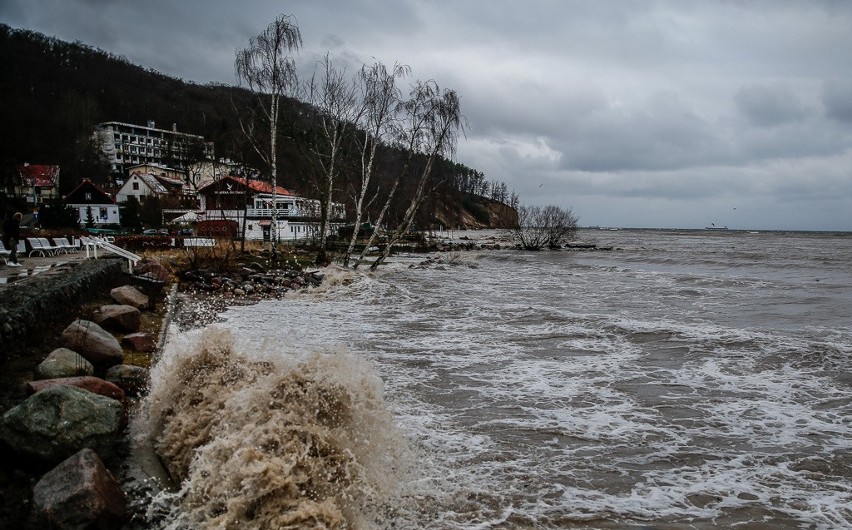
[[837, 99], [768, 106]]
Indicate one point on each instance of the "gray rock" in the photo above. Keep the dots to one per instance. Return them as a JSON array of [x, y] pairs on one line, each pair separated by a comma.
[[79, 493], [93, 342], [132, 379], [141, 342], [129, 295], [63, 362], [59, 421], [120, 317]]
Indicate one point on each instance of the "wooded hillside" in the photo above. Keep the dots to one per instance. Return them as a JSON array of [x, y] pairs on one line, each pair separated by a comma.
[[54, 92]]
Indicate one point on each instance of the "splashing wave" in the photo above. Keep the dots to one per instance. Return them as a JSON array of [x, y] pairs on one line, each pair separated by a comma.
[[271, 440]]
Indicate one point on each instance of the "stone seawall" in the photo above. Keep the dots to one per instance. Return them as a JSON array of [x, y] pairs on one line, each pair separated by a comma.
[[30, 307]]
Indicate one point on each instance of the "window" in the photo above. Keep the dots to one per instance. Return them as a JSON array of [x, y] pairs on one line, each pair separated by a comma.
[[103, 213], [88, 195], [135, 186]]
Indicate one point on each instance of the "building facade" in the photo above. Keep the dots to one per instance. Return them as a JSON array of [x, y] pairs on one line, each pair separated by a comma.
[[93, 205], [37, 183], [127, 145], [249, 203]]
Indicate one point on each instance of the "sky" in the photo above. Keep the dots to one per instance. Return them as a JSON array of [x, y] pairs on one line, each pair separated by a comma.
[[668, 114]]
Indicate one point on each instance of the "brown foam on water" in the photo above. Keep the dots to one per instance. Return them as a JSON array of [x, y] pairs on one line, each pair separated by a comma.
[[272, 443]]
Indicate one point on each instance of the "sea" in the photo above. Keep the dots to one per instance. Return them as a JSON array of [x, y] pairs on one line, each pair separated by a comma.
[[666, 379]]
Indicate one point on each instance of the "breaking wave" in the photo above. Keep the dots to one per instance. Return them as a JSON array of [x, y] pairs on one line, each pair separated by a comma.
[[270, 439]]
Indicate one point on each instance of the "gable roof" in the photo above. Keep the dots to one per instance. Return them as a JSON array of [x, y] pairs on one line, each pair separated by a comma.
[[98, 196], [39, 176], [257, 186], [152, 182], [168, 182]]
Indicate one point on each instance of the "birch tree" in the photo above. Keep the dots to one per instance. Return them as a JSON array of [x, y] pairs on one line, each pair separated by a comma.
[[267, 67], [433, 121], [333, 101], [380, 100]]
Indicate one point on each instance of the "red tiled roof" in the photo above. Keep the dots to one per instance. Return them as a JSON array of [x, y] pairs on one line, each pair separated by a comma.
[[38, 175], [260, 186], [257, 186]]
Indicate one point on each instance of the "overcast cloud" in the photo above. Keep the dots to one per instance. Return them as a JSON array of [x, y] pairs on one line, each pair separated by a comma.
[[646, 113]]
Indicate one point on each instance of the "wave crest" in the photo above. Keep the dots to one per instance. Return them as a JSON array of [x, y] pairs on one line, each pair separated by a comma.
[[272, 443]]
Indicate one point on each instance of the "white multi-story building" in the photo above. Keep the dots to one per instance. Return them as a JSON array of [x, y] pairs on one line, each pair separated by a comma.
[[127, 145]]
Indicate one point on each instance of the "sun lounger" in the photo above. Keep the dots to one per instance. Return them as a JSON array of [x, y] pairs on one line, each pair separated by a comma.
[[56, 249], [40, 245], [64, 245]]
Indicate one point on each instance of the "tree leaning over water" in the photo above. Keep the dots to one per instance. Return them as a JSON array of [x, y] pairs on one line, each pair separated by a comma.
[[268, 69], [380, 99], [431, 122]]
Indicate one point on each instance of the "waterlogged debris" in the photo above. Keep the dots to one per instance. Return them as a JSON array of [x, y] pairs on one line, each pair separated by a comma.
[[249, 282]]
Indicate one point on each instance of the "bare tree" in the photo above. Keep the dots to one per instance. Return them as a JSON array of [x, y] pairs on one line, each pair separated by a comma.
[[544, 227], [267, 68], [380, 102], [333, 102], [433, 121]]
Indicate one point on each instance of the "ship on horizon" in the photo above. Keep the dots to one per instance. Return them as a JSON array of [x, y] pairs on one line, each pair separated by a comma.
[[714, 227]]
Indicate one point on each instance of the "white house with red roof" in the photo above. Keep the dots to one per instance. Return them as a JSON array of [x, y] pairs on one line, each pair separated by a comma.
[[249, 202], [37, 183]]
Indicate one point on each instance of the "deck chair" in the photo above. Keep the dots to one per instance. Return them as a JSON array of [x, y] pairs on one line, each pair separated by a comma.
[[64, 245], [89, 245], [4, 253], [40, 245]]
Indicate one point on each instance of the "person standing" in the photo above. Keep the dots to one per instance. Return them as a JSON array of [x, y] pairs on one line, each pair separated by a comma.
[[11, 235]]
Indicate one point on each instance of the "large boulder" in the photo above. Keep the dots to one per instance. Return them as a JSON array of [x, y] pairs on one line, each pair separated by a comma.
[[63, 362], [129, 295], [93, 342], [132, 379], [141, 342], [79, 493], [86, 382], [119, 317], [59, 421]]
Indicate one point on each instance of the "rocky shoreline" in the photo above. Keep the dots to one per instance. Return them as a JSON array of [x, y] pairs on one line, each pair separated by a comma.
[[69, 425], [66, 417], [67, 429]]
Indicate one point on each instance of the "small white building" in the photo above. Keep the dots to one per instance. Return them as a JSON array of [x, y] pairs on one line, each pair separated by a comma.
[[91, 201], [141, 186]]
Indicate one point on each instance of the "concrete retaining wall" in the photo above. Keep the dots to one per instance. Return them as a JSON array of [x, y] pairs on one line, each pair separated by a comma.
[[29, 309]]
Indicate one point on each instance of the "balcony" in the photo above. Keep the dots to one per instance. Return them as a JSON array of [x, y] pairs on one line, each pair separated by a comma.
[[266, 213]]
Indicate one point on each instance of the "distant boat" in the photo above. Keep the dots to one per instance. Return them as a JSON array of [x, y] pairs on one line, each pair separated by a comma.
[[714, 227]]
